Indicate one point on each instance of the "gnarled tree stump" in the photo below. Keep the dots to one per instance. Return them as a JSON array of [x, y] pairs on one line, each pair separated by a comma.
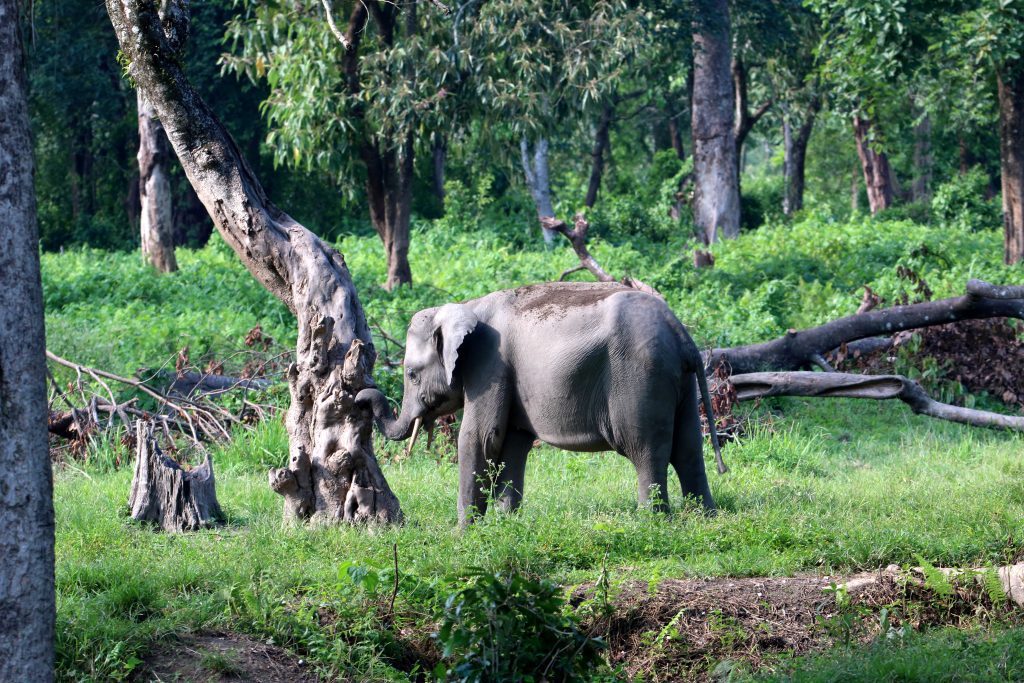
[[167, 494]]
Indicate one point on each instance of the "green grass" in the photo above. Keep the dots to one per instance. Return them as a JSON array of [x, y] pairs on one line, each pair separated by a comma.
[[818, 486]]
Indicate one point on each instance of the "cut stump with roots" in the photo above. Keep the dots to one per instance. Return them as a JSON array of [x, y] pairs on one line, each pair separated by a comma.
[[165, 493]]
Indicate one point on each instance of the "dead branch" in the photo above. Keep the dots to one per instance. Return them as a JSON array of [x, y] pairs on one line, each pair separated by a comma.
[[578, 239], [797, 350], [329, 10], [877, 387]]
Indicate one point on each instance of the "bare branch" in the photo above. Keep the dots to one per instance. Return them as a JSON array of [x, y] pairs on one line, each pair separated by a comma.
[[329, 10], [877, 387]]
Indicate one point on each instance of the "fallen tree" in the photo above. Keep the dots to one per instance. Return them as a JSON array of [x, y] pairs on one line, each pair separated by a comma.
[[799, 350]]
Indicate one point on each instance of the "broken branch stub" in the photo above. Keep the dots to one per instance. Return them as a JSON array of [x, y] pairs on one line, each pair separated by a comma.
[[165, 493]]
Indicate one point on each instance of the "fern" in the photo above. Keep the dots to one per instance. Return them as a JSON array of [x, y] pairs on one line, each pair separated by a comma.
[[935, 580], [994, 586]]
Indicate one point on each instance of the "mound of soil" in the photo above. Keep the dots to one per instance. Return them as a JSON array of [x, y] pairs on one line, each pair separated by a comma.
[[982, 355], [698, 629], [210, 658]]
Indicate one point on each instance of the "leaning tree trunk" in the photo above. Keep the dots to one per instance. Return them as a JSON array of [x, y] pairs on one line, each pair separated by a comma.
[[538, 180], [26, 489], [716, 197], [744, 120], [1011, 157], [156, 220], [875, 166], [332, 473]]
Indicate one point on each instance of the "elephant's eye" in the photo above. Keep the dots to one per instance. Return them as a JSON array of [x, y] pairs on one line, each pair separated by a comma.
[[413, 377]]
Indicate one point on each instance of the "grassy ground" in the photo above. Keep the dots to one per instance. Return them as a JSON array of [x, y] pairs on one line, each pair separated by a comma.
[[828, 487]]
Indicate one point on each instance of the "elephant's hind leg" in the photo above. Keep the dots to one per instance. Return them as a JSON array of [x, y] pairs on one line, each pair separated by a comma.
[[508, 490], [688, 447]]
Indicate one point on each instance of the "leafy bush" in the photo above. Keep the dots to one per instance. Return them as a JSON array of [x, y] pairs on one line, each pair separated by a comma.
[[761, 201], [510, 628], [961, 202]]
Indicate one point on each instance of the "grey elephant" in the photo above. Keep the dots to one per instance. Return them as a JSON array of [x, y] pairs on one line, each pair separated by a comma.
[[580, 366]]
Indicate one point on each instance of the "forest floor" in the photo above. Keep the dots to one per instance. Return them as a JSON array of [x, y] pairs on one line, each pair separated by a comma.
[[819, 491]]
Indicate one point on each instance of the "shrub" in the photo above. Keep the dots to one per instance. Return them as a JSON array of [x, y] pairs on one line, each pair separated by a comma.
[[510, 628], [961, 202]]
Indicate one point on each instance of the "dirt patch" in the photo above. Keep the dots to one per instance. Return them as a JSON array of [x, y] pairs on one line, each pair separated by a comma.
[[700, 629], [553, 298], [209, 658]]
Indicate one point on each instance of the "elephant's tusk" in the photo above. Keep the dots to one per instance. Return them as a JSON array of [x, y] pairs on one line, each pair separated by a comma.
[[415, 433]]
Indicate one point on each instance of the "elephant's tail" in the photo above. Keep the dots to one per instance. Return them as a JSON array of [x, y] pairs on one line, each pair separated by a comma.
[[705, 396]]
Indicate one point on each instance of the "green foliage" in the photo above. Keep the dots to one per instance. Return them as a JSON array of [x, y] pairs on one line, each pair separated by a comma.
[[961, 202], [935, 580], [511, 628]]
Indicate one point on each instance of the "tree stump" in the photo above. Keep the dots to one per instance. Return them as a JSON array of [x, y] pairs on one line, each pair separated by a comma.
[[165, 493]]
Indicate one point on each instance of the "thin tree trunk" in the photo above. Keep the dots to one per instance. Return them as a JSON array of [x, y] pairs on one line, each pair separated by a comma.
[[535, 169], [389, 191], [875, 166], [332, 474], [923, 160], [744, 119], [26, 488], [1011, 158], [796, 160], [855, 189], [156, 219], [966, 156], [716, 198], [597, 155], [439, 157]]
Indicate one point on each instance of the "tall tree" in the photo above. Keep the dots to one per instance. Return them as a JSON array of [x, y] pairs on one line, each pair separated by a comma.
[[156, 221], [354, 102], [332, 474], [26, 492], [716, 199]]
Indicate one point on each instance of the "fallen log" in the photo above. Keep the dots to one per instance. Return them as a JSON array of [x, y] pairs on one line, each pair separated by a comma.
[[755, 385], [165, 493], [1011, 578], [800, 350]]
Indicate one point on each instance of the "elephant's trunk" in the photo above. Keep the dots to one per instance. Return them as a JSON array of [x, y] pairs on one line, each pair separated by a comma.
[[394, 428]]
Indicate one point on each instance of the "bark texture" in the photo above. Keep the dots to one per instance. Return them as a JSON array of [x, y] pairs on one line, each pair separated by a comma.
[[716, 198], [1011, 157], [156, 221], [305, 273], [26, 489], [798, 350], [875, 167], [164, 493], [538, 180], [877, 387]]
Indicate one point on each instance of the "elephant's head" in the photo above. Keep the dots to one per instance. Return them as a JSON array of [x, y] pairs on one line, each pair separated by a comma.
[[432, 386]]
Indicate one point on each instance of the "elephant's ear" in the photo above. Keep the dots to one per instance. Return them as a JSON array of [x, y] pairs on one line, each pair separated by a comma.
[[452, 323]]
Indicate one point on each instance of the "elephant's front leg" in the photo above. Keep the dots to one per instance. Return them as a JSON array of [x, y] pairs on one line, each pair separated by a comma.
[[480, 442]]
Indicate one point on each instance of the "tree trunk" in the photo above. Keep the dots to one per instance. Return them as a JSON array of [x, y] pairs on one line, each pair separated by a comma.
[[389, 177], [156, 220], [1011, 158], [535, 169], [597, 155], [795, 160], [966, 156], [439, 154], [164, 493], [26, 488], [332, 473], [875, 166], [921, 189], [716, 198]]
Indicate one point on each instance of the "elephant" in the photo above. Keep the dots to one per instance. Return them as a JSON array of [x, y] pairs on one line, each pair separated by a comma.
[[580, 366]]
